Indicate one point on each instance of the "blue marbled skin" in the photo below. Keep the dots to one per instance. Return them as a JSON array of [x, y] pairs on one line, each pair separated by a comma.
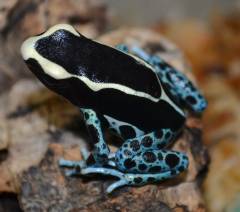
[[143, 159]]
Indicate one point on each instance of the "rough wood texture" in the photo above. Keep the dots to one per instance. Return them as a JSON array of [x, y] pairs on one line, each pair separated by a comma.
[[44, 186]]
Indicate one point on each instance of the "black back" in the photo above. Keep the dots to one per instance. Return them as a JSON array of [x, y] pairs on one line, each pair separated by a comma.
[[100, 63]]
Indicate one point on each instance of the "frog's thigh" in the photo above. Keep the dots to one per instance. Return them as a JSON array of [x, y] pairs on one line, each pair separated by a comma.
[[152, 161], [154, 140]]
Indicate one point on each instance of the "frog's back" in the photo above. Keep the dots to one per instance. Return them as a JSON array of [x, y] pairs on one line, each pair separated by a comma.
[[92, 75], [99, 63]]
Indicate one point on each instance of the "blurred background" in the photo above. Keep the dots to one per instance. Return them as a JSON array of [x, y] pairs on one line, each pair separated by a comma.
[[141, 12], [207, 34]]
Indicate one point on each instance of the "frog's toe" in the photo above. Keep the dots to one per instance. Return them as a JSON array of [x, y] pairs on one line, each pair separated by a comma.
[[102, 170], [71, 164], [114, 186], [72, 172], [123, 178], [84, 153]]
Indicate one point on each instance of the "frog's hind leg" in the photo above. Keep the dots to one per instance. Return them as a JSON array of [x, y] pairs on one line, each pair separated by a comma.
[[143, 160], [179, 86], [75, 165]]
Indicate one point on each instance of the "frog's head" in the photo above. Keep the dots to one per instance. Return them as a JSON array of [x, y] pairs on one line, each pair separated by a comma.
[[47, 52], [53, 57]]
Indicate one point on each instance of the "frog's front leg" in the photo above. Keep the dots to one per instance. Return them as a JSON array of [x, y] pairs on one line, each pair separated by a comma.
[[101, 150], [180, 87], [99, 156]]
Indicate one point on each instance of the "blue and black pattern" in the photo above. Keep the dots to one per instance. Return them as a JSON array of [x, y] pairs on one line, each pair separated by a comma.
[[146, 154], [176, 84], [99, 156]]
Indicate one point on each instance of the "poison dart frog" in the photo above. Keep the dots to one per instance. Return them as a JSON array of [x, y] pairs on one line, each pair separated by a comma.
[[136, 95]]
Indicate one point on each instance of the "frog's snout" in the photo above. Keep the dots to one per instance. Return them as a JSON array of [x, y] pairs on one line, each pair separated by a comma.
[[27, 49]]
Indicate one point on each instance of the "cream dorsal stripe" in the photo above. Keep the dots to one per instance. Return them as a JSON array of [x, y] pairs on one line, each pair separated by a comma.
[[58, 72]]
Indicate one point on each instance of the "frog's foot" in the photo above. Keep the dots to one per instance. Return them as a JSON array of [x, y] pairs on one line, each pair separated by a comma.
[[123, 179], [129, 179], [81, 168], [77, 166]]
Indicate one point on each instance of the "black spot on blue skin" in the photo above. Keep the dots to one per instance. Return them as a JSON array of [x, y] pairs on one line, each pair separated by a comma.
[[127, 131], [173, 172], [167, 135], [102, 158], [135, 145], [127, 153], [182, 78], [86, 116], [159, 134], [191, 100], [125, 145], [90, 160], [94, 133], [168, 76], [142, 167], [160, 156], [147, 141], [181, 168], [155, 169], [185, 157], [78, 168], [138, 180], [172, 160], [149, 157], [161, 145], [162, 65], [104, 146], [151, 179], [128, 163], [96, 122]]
